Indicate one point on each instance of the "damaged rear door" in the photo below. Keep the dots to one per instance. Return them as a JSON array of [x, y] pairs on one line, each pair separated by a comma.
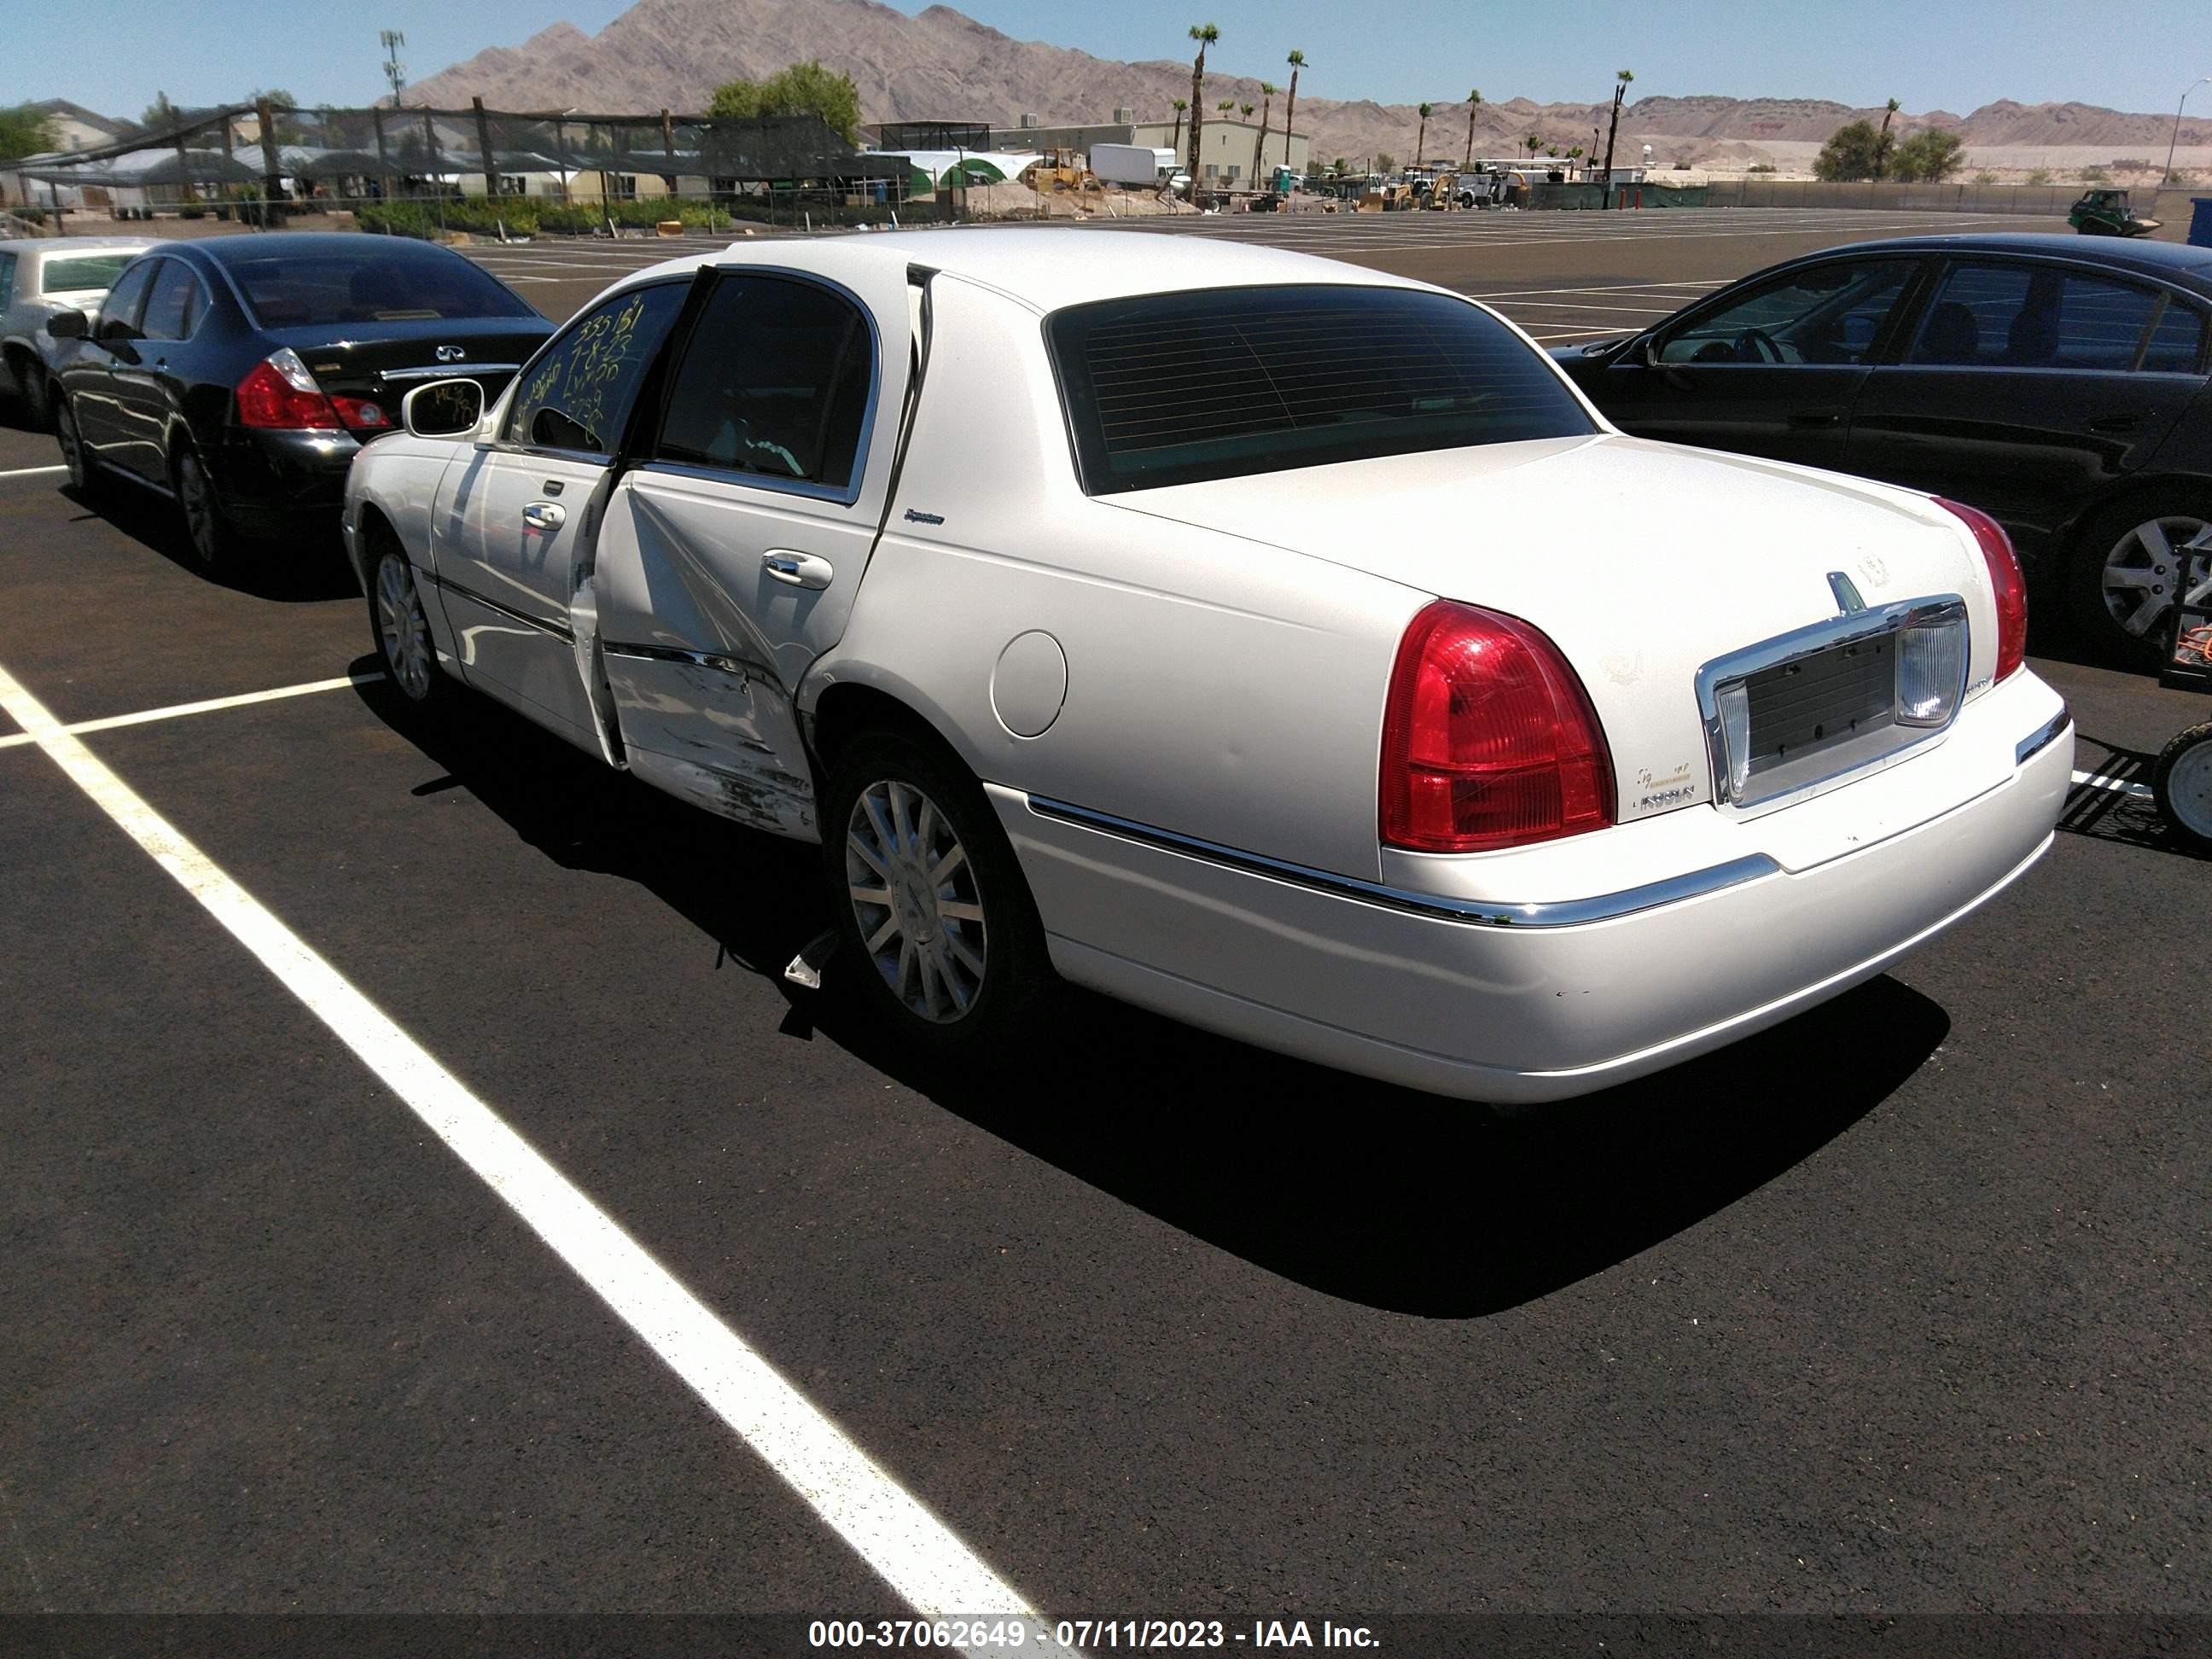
[[731, 551]]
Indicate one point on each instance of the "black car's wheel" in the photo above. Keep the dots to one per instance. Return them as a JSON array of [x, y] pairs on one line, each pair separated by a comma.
[[36, 396], [2128, 563], [213, 542], [84, 475], [930, 906], [402, 633], [2181, 783]]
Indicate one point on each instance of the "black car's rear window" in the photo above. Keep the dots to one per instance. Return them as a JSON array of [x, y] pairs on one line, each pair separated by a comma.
[[386, 281], [1177, 388]]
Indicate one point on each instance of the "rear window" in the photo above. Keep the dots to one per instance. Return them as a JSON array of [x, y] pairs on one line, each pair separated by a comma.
[[86, 272], [1178, 388], [388, 285]]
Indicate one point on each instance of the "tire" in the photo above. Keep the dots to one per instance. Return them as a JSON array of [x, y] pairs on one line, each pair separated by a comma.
[[402, 634], [85, 476], [2181, 783], [954, 964], [2126, 566], [208, 531], [36, 397]]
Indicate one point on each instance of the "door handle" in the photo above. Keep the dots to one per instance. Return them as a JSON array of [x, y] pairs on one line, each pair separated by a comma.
[[1814, 418], [544, 515], [798, 569], [2115, 422]]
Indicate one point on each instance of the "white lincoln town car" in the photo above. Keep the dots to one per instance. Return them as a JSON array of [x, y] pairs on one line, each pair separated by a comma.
[[1280, 645]]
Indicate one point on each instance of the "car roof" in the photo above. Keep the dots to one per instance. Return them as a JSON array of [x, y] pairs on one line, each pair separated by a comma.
[[311, 244], [1046, 267], [68, 245], [2168, 259]]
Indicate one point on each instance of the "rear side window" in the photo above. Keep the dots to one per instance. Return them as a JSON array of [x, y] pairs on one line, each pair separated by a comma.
[[1178, 388], [175, 307], [7, 280], [576, 394], [775, 381], [83, 273], [395, 283], [2177, 341], [2029, 316]]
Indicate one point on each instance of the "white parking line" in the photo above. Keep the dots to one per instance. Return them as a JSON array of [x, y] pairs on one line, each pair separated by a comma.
[[2118, 786], [145, 716], [913, 1551], [32, 471]]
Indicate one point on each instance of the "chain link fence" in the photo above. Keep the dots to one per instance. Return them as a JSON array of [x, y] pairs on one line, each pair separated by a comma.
[[479, 171]]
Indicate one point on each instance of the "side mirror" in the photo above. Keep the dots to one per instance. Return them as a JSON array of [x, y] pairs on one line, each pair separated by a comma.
[[1648, 352], [68, 324], [443, 409]]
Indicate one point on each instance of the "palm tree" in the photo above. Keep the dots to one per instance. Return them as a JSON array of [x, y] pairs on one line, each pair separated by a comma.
[[1621, 78], [1205, 34], [1422, 137], [1268, 90], [1531, 140], [1296, 60], [1882, 141], [1474, 103], [1175, 143], [1574, 154]]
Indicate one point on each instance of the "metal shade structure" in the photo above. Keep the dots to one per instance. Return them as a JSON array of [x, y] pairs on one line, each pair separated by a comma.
[[137, 169]]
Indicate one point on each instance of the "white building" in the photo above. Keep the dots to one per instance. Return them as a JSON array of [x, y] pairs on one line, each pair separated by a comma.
[[1225, 159]]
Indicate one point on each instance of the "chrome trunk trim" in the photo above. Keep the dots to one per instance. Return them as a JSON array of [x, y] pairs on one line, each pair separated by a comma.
[[1810, 641]]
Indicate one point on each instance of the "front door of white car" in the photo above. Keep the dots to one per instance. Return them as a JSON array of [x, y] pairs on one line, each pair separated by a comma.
[[513, 516], [732, 551]]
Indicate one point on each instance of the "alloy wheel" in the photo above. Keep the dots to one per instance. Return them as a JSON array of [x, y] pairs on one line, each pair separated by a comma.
[[2152, 563], [914, 895], [402, 627]]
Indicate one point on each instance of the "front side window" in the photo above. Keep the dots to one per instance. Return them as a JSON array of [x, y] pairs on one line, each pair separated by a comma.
[[1824, 313], [7, 280], [119, 312], [176, 304], [1177, 388], [577, 393], [775, 381], [1997, 315]]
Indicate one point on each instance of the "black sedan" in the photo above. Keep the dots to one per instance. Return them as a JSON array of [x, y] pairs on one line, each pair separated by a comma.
[[239, 375], [2059, 385]]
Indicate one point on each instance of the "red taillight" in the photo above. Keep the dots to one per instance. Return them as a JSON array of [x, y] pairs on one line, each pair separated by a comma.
[[2005, 583], [284, 395], [1488, 739]]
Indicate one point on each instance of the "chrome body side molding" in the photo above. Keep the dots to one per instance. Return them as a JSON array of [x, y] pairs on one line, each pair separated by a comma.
[[1478, 913]]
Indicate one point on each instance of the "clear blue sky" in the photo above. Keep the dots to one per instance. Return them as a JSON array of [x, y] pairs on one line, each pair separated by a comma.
[[113, 55]]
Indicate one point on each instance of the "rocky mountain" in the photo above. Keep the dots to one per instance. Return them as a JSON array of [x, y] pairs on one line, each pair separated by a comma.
[[943, 65]]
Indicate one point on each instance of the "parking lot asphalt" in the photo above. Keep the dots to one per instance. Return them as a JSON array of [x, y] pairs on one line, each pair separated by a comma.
[[1898, 1308]]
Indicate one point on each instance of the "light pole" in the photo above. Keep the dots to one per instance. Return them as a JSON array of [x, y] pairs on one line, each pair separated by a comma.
[[2168, 177]]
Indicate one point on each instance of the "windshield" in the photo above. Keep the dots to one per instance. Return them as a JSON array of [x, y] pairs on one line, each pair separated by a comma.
[[1178, 388], [85, 272], [399, 283]]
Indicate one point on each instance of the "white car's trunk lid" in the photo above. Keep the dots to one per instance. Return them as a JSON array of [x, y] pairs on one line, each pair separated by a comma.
[[1642, 560]]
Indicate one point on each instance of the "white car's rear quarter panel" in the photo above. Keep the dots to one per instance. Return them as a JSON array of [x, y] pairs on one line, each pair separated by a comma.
[[1226, 689]]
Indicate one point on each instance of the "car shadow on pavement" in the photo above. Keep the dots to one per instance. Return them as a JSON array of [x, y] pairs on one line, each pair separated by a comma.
[[2120, 815], [1380, 1196], [307, 571]]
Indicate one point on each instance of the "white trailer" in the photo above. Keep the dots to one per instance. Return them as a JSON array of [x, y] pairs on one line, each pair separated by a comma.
[[1127, 164]]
